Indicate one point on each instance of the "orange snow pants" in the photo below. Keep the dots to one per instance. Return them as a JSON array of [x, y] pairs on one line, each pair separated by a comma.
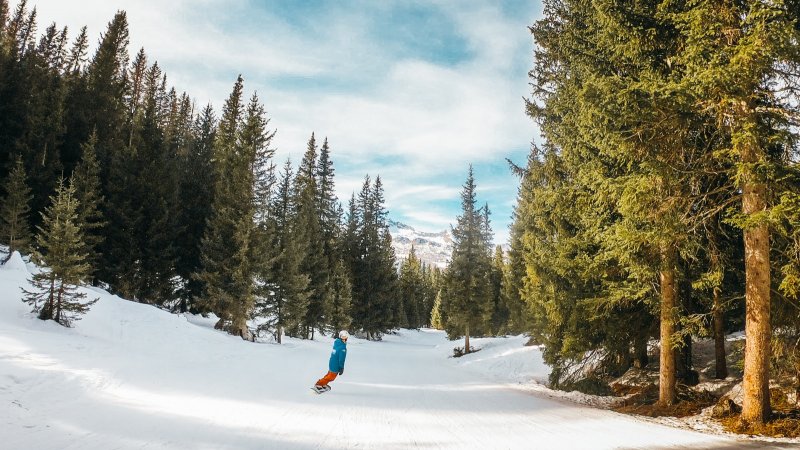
[[330, 376]]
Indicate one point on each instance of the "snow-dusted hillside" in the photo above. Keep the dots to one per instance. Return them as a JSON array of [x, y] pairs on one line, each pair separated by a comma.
[[433, 249], [131, 376]]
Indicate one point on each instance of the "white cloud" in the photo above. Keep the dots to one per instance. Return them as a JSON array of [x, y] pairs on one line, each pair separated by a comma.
[[432, 117], [433, 221]]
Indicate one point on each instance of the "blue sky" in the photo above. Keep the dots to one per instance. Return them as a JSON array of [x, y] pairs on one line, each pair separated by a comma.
[[413, 91]]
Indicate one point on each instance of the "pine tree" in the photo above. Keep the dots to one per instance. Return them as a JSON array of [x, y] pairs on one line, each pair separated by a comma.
[[340, 318], [4, 10], [282, 299], [731, 55], [411, 290], [500, 312], [77, 128], [196, 197], [438, 317], [106, 84], [315, 264], [86, 182], [467, 296], [35, 106], [14, 229], [55, 293], [371, 260], [614, 140], [97, 105], [233, 252], [226, 274], [330, 217]]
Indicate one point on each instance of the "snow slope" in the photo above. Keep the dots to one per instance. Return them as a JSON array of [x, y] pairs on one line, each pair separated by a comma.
[[132, 376]]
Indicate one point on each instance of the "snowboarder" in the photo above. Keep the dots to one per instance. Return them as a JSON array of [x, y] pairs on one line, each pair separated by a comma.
[[335, 364]]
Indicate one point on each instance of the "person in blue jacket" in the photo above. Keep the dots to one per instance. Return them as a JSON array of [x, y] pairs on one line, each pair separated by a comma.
[[336, 363]]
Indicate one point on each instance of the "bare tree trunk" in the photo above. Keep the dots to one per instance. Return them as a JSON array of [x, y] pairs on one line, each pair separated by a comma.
[[466, 340], [755, 405], [279, 334], [57, 315], [666, 377], [721, 369]]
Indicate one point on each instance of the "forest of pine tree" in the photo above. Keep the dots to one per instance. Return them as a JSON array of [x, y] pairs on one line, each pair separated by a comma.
[[663, 203], [178, 206]]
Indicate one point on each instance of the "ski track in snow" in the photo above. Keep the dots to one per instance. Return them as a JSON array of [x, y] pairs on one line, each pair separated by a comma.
[[129, 376]]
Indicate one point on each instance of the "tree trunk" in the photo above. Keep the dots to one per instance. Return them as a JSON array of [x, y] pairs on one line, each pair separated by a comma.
[[721, 370], [666, 377], [755, 405], [466, 340], [279, 334], [640, 358], [57, 313], [47, 310], [683, 364], [239, 328]]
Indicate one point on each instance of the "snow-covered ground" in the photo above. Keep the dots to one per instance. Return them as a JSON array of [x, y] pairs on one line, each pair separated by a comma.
[[132, 376]]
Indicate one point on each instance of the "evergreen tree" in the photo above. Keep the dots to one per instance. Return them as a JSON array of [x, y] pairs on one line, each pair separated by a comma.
[[371, 259], [282, 299], [315, 264], [438, 317], [467, 294], [106, 85], [411, 289], [55, 293], [731, 55], [4, 10], [227, 272], [77, 128], [514, 273], [430, 283], [31, 105], [14, 229], [500, 312], [615, 144], [98, 105], [196, 197], [330, 216], [86, 182], [340, 318]]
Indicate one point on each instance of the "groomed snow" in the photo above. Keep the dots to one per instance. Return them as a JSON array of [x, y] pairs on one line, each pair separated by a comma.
[[131, 376]]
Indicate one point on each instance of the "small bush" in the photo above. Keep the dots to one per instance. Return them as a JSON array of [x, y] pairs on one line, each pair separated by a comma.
[[458, 352]]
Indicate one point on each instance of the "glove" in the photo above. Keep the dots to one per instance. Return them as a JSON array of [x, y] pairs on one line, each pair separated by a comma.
[[341, 371]]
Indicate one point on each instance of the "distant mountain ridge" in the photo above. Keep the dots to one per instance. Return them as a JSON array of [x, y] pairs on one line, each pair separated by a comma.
[[433, 249]]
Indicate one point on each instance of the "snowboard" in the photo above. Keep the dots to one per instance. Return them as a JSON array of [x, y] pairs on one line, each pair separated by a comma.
[[322, 390]]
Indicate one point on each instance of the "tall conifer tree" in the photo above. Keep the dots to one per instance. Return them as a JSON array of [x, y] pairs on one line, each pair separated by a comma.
[[55, 293], [315, 263], [467, 294], [86, 182], [227, 271], [14, 228], [738, 56], [196, 198]]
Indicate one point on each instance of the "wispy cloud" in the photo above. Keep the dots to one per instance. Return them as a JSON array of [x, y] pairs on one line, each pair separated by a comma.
[[413, 90]]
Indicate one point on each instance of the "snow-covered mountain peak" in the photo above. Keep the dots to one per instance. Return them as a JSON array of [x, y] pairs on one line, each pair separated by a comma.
[[433, 249]]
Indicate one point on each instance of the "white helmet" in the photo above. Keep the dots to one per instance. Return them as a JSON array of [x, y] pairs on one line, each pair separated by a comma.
[[344, 334]]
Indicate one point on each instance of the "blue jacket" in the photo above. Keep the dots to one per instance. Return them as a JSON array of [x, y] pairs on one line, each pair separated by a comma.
[[338, 355]]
